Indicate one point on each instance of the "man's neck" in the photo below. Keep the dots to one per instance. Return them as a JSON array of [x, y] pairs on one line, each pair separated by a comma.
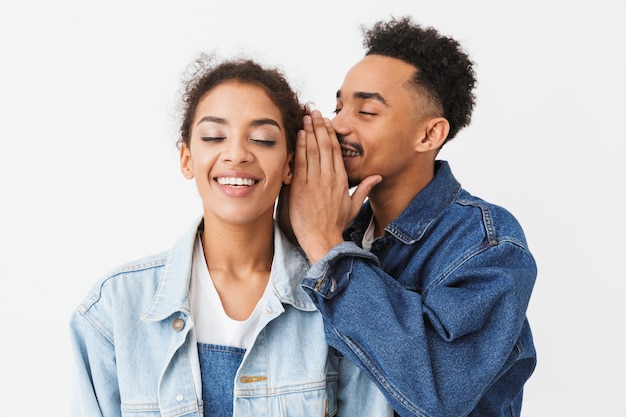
[[388, 201]]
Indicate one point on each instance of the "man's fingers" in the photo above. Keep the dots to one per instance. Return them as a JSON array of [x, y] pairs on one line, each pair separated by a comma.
[[338, 166], [300, 158], [326, 142], [312, 149], [361, 192]]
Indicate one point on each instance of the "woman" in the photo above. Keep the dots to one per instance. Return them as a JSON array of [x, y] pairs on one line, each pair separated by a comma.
[[218, 325]]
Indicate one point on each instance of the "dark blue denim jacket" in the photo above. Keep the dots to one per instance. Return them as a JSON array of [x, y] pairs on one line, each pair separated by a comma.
[[436, 313]]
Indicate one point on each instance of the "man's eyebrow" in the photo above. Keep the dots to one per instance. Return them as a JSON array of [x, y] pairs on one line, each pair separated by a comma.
[[362, 95]]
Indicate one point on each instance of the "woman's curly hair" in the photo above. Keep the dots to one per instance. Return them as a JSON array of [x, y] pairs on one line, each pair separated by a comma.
[[209, 73], [444, 71]]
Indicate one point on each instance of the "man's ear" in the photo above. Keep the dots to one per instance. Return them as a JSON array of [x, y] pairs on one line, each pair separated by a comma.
[[186, 164], [435, 133]]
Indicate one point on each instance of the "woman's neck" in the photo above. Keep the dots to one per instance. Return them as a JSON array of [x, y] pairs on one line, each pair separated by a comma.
[[235, 247], [239, 260]]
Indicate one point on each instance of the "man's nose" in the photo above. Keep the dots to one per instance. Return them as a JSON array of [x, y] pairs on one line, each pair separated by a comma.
[[340, 124]]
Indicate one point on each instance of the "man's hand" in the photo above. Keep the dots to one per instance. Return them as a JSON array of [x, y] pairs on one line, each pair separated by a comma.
[[320, 205]]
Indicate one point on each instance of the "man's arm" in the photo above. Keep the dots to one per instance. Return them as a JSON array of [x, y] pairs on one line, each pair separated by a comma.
[[435, 353]]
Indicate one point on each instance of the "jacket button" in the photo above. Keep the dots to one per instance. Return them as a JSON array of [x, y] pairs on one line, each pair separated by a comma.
[[178, 324]]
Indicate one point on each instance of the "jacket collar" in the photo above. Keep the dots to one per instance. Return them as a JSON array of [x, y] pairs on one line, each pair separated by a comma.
[[288, 268], [412, 223], [172, 294]]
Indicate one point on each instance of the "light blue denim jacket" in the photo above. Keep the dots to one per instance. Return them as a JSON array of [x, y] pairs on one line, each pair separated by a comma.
[[136, 352], [436, 313]]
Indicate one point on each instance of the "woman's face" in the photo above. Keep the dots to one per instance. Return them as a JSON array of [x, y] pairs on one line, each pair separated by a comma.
[[237, 153]]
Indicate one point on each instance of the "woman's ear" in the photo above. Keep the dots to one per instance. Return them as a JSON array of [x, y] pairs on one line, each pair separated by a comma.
[[186, 164], [435, 134], [288, 171]]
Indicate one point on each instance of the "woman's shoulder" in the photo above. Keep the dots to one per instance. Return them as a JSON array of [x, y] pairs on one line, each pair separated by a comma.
[[127, 280], [141, 277]]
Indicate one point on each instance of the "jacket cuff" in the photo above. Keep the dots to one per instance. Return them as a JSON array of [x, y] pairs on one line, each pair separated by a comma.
[[331, 274]]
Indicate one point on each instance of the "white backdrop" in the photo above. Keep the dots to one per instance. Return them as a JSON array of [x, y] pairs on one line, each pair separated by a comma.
[[90, 179]]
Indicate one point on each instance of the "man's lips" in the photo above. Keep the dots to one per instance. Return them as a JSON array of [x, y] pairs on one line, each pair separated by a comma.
[[346, 153], [350, 151]]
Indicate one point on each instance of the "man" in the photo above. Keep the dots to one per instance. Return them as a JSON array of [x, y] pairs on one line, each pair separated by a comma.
[[427, 288]]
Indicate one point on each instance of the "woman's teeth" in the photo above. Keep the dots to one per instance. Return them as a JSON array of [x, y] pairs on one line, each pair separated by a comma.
[[236, 181]]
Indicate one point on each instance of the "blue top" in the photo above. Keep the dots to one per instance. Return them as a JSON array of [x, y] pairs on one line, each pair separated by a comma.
[[218, 366], [436, 313]]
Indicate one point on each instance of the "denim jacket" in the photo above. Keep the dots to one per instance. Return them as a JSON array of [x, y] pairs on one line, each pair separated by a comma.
[[136, 353], [436, 313]]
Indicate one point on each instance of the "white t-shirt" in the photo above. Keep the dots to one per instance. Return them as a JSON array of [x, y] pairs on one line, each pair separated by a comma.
[[368, 236], [211, 322]]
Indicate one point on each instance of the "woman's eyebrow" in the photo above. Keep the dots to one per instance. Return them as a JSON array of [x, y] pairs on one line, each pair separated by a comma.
[[255, 123], [212, 119], [265, 121]]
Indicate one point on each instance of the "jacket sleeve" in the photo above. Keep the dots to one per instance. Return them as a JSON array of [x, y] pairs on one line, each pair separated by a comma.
[[357, 395], [433, 351], [95, 390]]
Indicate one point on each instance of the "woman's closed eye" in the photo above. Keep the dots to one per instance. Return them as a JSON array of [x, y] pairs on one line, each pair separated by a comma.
[[212, 138], [264, 142]]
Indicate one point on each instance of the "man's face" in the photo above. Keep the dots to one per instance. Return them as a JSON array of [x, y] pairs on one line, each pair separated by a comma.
[[377, 119]]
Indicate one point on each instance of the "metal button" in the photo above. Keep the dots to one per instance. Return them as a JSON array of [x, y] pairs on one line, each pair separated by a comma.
[[178, 324], [179, 397]]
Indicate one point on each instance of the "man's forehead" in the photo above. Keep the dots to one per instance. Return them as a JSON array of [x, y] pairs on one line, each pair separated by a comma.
[[376, 77], [383, 64]]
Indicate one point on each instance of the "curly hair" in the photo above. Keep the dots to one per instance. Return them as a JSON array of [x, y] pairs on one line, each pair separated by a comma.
[[444, 71], [208, 74]]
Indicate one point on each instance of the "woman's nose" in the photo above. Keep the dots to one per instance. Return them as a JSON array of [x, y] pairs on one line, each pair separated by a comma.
[[236, 151]]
